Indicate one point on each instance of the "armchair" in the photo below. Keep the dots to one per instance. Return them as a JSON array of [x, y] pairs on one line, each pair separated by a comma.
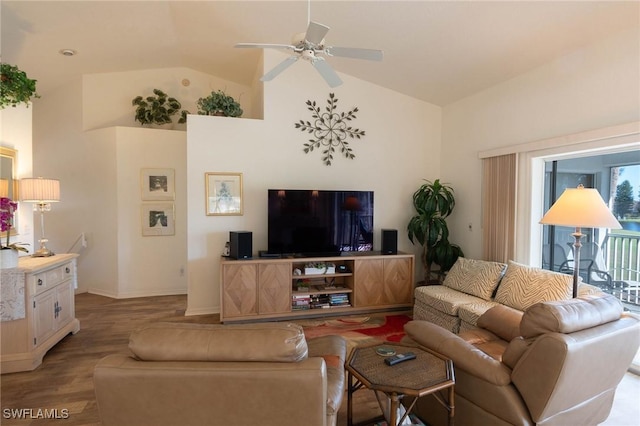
[[559, 364], [197, 374]]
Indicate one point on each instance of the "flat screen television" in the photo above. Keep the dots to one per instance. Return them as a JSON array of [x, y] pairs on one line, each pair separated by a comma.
[[319, 223]]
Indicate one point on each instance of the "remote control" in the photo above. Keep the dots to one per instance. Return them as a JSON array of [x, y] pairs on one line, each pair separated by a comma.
[[393, 360]]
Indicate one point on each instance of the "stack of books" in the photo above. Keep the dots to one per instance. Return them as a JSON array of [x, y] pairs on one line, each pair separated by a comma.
[[319, 301], [339, 300], [300, 302]]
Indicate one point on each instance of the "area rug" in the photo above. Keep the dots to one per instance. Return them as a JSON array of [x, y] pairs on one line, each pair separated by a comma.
[[358, 329]]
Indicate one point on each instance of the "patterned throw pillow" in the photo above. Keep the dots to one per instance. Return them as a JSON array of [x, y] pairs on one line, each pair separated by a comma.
[[524, 286], [476, 277]]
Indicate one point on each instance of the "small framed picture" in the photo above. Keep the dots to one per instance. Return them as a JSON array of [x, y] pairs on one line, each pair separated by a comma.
[[223, 194], [158, 184], [158, 219]]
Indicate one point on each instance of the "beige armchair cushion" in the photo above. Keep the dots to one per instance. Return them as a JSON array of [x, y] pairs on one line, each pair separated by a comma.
[[476, 277], [523, 286], [502, 321], [570, 316], [262, 342]]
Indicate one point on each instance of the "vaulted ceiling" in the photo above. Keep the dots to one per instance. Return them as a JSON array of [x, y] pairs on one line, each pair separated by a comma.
[[437, 51]]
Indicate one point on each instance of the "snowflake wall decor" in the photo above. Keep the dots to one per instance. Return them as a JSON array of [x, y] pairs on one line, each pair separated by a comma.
[[329, 129]]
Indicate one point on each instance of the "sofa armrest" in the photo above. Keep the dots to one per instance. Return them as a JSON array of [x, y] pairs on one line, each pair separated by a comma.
[[464, 355]]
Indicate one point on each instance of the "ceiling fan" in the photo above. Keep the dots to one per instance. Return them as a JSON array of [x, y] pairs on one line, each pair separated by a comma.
[[310, 46]]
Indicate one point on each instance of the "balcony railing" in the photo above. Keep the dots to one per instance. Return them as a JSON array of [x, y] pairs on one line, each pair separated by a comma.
[[621, 253], [622, 256]]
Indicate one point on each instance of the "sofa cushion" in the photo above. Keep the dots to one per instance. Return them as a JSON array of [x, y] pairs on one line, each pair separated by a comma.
[[486, 341], [523, 286], [444, 299], [422, 311], [476, 277], [569, 316], [276, 342], [471, 312]]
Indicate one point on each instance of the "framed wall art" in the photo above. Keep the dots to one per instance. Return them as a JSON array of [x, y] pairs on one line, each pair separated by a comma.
[[223, 194], [158, 184], [158, 219]]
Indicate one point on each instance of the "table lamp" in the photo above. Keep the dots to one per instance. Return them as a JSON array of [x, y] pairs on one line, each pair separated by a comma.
[[580, 208], [41, 192]]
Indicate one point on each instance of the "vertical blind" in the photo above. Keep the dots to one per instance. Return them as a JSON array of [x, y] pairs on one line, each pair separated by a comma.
[[499, 180]]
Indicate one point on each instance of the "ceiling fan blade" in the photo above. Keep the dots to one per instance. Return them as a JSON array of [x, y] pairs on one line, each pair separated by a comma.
[[279, 68], [264, 46], [326, 72], [355, 52], [316, 32]]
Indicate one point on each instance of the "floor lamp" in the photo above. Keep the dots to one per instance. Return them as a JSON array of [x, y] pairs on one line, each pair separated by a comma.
[[41, 192], [580, 208]]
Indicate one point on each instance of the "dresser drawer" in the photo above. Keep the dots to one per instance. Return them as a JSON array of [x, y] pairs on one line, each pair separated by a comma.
[[48, 279]]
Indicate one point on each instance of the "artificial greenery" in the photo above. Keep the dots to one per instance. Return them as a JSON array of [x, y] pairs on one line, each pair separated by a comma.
[[219, 103], [433, 202], [157, 109], [16, 87]]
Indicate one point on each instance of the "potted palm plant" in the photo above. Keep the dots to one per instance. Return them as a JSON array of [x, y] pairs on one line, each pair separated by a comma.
[[17, 87], [158, 109], [219, 103], [433, 203]]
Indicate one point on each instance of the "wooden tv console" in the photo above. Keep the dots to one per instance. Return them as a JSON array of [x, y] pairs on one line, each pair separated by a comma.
[[266, 288]]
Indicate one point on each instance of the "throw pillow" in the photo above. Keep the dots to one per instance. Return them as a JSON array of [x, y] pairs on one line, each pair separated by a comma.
[[475, 277], [524, 286]]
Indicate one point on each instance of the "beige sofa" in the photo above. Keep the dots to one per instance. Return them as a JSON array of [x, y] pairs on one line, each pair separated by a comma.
[[249, 374], [559, 363], [474, 286]]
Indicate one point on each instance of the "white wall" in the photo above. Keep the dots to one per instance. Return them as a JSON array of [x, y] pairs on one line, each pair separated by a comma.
[[595, 87], [98, 263], [401, 147], [150, 265]]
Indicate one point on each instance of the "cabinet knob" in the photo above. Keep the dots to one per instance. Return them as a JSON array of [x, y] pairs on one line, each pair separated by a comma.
[[39, 281], [67, 270]]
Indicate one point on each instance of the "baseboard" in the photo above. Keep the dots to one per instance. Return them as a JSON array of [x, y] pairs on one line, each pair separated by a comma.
[[134, 294], [202, 311]]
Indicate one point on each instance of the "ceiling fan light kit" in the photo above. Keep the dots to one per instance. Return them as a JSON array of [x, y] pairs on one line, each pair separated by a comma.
[[310, 46]]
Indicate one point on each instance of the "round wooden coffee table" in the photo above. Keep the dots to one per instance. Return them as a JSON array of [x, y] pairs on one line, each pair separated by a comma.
[[429, 374]]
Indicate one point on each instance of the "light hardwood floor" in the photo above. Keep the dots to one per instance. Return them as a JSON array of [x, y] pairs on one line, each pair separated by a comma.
[[65, 378]]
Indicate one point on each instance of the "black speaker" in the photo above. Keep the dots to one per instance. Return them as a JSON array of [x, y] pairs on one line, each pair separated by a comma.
[[240, 244], [389, 241]]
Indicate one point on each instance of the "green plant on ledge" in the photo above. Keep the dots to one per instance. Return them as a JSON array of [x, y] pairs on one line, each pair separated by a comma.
[[433, 202], [158, 109], [16, 86], [219, 103]]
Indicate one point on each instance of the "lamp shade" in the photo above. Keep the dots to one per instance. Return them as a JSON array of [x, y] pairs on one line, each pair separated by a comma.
[[581, 208], [39, 190], [352, 204]]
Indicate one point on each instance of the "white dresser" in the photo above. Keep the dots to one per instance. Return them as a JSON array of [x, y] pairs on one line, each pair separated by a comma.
[[37, 309]]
